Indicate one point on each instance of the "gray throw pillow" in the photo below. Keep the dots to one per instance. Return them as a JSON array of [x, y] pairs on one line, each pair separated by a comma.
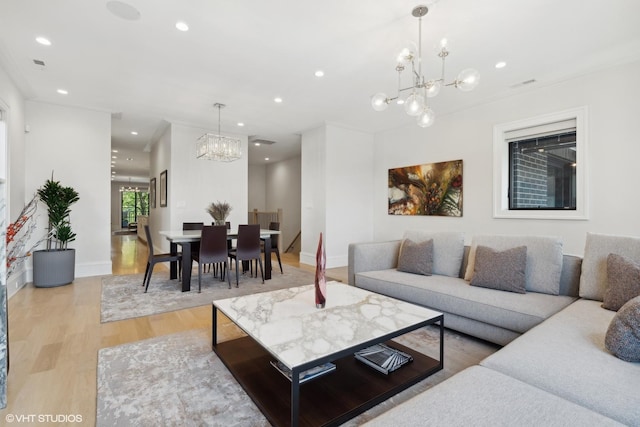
[[502, 270], [623, 281], [415, 257], [623, 335]]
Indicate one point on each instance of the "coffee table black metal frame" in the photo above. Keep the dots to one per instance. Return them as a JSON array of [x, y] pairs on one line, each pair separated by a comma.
[[329, 400]]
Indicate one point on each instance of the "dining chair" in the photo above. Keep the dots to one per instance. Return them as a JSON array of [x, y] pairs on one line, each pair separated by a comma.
[[154, 259], [247, 247], [275, 226], [195, 246], [213, 250]]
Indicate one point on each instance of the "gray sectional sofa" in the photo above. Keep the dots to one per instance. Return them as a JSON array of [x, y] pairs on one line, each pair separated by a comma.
[[554, 369]]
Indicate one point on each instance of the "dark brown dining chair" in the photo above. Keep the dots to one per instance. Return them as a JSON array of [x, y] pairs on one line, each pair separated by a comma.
[[247, 247], [154, 259], [213, 250], [275, 226], [195, 246]]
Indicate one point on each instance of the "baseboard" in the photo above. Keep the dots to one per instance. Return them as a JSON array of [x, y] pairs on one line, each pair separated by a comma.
[[331, 262], [16, 282], [87, 269]]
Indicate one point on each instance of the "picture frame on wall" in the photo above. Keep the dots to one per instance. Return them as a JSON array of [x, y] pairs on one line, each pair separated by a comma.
[[152, 193], [163, 189]]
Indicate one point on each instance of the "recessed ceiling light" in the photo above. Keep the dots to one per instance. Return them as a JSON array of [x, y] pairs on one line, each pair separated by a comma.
[[501, 64], [113, 166], [114, 157], [63, 92], [182, 26], [133, 132], [277, 100], [319, 73], [114, 151], [266, 158], [257, 144], [43, 41], [240, 124]]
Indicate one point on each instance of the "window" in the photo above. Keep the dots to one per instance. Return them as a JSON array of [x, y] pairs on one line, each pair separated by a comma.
[[540, 167], [133, 203]]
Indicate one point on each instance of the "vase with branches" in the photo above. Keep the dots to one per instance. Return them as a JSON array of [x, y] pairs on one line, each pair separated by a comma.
[[219, 211]]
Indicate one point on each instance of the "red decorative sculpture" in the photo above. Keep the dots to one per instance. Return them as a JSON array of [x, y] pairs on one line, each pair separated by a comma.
[[321, 282]]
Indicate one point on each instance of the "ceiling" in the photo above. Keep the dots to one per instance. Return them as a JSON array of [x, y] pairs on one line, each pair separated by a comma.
[[244, 53]]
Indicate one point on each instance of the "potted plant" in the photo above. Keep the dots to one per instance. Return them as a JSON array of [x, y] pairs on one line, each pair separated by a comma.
[[219, 211], [55, 265]]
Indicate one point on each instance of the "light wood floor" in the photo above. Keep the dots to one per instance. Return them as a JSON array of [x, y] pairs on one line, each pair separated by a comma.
[[55, 335]]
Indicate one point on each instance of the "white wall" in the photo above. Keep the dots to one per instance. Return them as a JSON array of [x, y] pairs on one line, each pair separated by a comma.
[[613, 152], [257, 183], [337, 183], [283, 188], [75, 144], [13, 104], [194, 183]]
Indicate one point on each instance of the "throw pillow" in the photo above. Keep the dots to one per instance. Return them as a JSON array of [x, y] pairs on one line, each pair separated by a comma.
[[448, 249], [623, 278], [544, 259], [416, 258], [593, 279], [502, 270], [623, 336]]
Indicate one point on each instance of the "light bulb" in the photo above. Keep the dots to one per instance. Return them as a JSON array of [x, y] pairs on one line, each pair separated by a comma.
[[414, 104], [407, 53], [426, 117], [379, 101], [468, 79], [433, 88]]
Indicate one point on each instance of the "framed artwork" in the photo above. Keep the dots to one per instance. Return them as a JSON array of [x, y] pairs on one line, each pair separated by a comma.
[[163, 189], [430, 189], [152, 193]]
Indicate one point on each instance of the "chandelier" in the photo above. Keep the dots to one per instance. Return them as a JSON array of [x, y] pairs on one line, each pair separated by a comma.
[[218, 147], [129, 188], [422, 88]]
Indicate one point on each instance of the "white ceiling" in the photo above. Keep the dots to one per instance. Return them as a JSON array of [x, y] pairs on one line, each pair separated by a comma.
[[243, 53]]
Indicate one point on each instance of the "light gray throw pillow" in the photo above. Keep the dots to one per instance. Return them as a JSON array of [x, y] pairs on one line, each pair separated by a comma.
[[623, 279], [416, 258], [502, 270], [448, 249], [623, 335], [593, 278], [544, 259]]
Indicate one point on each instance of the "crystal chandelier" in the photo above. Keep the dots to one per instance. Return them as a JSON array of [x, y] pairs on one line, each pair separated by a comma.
[[422, 88], [218, 147]]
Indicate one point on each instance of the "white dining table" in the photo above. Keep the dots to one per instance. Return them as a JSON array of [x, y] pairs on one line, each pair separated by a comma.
[[186, 238]]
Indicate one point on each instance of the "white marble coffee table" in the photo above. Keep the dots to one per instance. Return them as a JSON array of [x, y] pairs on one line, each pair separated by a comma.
[[284, 325]]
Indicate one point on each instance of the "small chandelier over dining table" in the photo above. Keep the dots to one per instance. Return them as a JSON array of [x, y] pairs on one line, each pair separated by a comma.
[[422, 88], [217, 147]]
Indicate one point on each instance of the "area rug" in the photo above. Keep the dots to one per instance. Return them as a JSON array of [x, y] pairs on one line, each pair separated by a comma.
[[123, 297], [177, 380]]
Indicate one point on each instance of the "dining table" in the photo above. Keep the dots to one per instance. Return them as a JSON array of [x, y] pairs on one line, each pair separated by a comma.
[[186, 239]]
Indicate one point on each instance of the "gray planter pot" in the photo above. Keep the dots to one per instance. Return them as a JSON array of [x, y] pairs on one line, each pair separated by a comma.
[[54, 267]]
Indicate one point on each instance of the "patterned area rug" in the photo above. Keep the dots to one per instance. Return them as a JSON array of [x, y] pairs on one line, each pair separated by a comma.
[[177, 380], [123, 297]]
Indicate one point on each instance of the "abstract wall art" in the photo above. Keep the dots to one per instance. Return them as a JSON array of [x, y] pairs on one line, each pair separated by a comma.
[[429, 189]]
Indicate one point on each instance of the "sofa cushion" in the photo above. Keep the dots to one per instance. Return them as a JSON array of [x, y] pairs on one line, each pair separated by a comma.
[[623, 282], [517, 312], [565, 355], [623, 335], [479, 396], [544, 259], [448, 249], [593, 280], [415, 257], [502, 270]]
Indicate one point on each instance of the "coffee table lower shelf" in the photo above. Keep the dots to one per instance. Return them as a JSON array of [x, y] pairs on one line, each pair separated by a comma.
[[325, 401]]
